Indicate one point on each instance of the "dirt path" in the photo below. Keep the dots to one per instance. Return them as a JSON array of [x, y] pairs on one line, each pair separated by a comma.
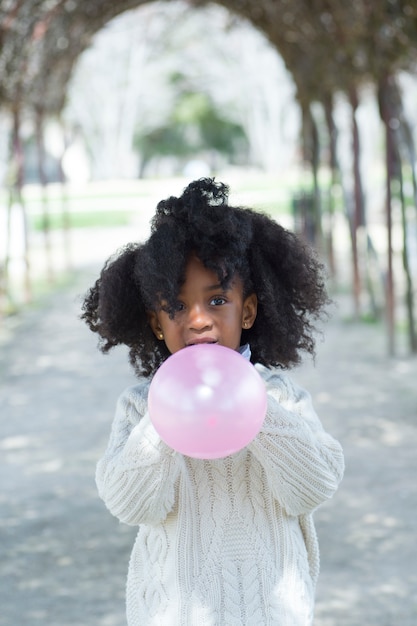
[[64, 558]]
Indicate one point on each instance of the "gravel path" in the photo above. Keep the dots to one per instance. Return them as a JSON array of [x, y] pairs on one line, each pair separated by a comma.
[[64, 558]]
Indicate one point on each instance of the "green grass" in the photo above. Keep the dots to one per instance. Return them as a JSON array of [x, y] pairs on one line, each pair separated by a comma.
[[272, 195], [84, 219]]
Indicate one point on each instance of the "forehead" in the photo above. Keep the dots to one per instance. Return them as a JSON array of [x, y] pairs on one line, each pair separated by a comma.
[[197, 274]]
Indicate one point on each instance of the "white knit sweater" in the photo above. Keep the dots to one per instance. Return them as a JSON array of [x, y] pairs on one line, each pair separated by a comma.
[[226, 542]]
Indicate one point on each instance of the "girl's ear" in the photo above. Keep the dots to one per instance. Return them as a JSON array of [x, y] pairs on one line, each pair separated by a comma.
[[250, 309], [155, 325]]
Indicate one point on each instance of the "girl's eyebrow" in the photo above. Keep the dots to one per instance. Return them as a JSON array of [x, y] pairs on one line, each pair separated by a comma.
[[214, 288]]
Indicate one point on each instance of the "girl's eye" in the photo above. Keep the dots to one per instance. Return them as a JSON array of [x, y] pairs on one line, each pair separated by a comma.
[[180, 306], [218, 300]]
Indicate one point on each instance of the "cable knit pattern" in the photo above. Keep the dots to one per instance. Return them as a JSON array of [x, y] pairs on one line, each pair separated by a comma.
[[227, 542]]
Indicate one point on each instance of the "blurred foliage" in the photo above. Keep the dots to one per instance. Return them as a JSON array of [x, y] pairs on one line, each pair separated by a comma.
[[194, 126], [327, 46]]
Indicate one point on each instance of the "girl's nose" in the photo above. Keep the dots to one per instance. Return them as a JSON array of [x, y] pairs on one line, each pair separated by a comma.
[[199, 318]]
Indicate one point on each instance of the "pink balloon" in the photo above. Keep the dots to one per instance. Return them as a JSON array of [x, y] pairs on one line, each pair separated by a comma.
[[207, 401]]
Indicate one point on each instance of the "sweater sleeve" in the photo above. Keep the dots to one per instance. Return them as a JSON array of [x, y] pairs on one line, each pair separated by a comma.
[[303, 464], [136, 476]]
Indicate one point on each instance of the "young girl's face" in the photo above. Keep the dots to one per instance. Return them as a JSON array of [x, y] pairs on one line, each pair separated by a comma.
[[207, 313]]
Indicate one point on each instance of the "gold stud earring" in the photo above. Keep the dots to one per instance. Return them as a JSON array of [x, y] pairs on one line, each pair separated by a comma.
[[160, 336], [245, 324]]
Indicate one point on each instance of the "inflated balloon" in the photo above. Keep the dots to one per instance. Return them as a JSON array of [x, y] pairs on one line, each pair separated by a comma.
[[207, 401]]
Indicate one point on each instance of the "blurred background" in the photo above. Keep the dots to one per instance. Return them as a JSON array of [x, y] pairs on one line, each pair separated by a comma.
[[308, 110]]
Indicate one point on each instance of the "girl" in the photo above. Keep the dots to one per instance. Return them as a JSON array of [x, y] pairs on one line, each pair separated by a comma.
[[225, 542]]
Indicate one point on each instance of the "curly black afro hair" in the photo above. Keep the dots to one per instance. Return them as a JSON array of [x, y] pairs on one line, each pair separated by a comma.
[[271, 261]]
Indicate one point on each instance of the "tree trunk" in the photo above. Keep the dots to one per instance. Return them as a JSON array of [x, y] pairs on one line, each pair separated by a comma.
[[385, 111], [46, 220], [16, 201], [405, 150], [358, 217], [312, 203], [334, 181], [66, 221], [409, 296]]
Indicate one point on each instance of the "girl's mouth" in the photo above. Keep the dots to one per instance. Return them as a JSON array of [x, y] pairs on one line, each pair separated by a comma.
[[201, 340]]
